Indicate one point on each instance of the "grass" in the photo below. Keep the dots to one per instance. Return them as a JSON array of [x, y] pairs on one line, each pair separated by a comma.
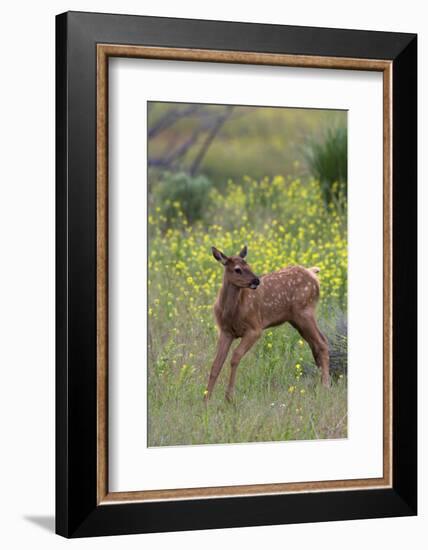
[[272, 416], [279, 398], [278, 392]]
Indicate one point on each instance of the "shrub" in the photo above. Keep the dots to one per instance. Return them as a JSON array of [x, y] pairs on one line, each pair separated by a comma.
[[339, 347], [185, 192], [327, 160]]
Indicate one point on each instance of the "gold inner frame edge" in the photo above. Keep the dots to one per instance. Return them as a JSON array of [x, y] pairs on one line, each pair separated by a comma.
[[104, 51]]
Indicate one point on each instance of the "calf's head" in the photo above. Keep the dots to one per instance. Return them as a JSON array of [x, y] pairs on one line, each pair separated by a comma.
[[236, 270]]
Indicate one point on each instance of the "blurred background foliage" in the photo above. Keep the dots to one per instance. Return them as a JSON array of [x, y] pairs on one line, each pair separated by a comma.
[[229, 142]]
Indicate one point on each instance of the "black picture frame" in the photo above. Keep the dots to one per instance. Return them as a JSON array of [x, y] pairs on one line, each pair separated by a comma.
[[77, 511]]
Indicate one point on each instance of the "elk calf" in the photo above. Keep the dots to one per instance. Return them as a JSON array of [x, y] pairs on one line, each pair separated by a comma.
[[247, 304]]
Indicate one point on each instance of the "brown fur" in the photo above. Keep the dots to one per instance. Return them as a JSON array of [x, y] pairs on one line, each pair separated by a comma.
[[241, 311]]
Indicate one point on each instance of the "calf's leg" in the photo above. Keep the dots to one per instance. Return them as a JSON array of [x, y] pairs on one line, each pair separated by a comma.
[[246, 343], [307, 326], [223, 346]]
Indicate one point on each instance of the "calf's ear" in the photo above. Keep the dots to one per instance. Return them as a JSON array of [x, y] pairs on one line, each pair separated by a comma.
[[244, 252], [219, 256]]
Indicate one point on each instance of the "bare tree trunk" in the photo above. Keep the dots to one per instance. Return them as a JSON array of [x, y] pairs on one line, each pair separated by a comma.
[[209, 139]]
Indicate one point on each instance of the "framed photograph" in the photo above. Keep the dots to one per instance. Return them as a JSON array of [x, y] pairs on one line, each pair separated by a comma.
[[236, 274]]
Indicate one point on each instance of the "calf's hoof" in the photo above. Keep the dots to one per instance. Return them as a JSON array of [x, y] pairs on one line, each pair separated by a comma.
[[326, 383], [229, 398]]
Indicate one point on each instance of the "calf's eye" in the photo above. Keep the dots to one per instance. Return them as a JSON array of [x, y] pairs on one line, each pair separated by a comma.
[[238, 270]]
